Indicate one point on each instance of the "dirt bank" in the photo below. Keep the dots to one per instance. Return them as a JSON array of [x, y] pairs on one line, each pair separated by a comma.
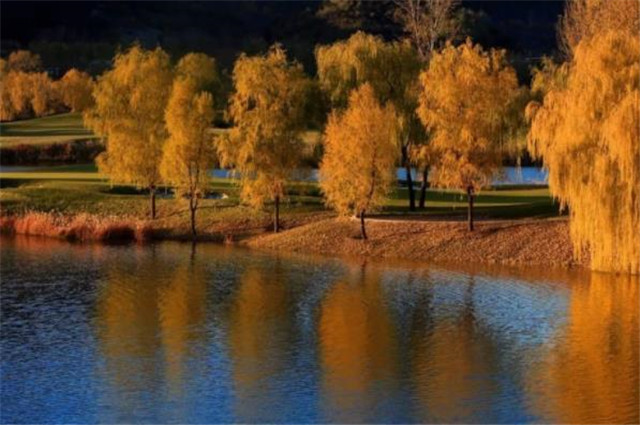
[[517, 242], [505, 242]]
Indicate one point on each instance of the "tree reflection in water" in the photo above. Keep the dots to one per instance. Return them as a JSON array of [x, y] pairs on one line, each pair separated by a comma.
[[362, 343], [589, 371], [358, 347]]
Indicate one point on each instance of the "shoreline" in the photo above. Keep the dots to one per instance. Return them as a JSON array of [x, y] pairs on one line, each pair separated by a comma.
[[523, 242], [532, 242]]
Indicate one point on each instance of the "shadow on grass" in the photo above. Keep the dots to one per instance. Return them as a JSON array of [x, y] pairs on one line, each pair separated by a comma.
[[545, 209]]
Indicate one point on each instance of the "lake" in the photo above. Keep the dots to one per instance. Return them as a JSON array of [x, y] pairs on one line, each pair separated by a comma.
[[167, 334], [509, 175]]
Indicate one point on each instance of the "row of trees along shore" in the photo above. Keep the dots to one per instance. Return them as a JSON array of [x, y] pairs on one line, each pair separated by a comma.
[[453, 111], [29, 92]]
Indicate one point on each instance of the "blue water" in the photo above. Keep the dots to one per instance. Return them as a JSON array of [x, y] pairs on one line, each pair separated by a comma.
[[510, 175], [167, 334]]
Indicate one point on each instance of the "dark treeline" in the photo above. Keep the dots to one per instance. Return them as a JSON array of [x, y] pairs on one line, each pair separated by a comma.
[[86, 35]]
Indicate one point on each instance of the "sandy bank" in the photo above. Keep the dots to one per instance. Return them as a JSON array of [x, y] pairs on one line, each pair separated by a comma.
[[517, 242]]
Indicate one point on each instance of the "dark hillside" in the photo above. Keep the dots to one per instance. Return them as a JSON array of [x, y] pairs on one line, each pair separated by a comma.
[[86, 34]]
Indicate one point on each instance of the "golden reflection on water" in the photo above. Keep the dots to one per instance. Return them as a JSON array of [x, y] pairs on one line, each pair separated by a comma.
[[589, 371], [138, 318], [358, 346], [182, 313], [585, 371], [259, 331]]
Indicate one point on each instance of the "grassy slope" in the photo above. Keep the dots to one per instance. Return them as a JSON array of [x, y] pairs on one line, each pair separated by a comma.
[[79, 188], [60, 128], [46, 130]]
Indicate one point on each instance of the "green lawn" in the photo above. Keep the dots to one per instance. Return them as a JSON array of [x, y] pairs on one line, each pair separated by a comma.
[[80, 188], [60, 128], [46, 130]]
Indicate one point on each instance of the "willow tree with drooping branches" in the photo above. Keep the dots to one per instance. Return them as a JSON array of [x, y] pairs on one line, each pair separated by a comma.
[[269, 109], [465, 95], [584, 19], [586, 130], [130, 101], [391, 69], [358, 168]]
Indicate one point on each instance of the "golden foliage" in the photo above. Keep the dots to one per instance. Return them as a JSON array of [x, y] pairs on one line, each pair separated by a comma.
[[25, 94], [201, 69], [587, 133], [189, 152], [358, 168], [268, 113], [548, 76], [390, 68], [130, 102], [584, 19], [18, 86], [24, 61], [43, 94], [76, 90], [464, 97]]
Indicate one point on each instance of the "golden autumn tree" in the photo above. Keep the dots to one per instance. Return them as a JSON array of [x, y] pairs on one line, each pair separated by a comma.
[[587, 132], [24, 61], [18, 87], [76, 90], [268, 110], [200, 68], [584, 19], [391, 69], [130, 102], [465, 94], [358, 168], [43, 94], [189, 152], [7, 112], [428, 25], [26, 92]]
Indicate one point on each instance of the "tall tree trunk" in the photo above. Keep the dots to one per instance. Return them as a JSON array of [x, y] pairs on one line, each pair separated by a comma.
[[276, 215], [152, 193], [193, 205], [407, 167], [363, 231], [470, 196], [423, 187]]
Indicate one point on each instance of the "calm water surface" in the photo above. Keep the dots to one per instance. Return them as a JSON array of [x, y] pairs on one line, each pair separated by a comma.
[[164, 334]]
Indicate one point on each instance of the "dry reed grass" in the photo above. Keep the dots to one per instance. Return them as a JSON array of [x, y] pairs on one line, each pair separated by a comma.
[[79, 228]]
